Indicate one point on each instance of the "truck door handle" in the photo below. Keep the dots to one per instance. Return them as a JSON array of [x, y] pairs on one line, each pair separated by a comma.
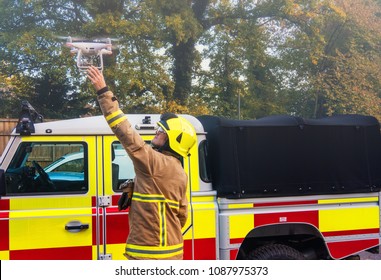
[[76, 226]]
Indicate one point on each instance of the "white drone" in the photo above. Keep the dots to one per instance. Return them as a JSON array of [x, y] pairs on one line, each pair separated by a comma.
[[89, 52]]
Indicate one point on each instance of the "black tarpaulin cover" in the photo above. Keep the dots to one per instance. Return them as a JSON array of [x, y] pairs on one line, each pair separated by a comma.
[[286, 155]]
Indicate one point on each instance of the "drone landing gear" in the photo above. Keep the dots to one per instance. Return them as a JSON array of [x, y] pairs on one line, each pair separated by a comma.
[[85, 61]]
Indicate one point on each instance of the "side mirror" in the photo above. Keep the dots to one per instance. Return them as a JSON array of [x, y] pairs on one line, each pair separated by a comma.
[[2, 183]]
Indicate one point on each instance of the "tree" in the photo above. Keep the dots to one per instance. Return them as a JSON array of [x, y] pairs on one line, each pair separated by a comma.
[[352, 83], [331, 61], [241, 58], [30, 54]]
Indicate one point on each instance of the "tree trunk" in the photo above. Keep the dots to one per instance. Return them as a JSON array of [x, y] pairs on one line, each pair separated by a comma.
[[183, 54]]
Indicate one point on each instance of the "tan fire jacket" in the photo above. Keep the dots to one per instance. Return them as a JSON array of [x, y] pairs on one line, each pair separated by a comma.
[[159, 204]]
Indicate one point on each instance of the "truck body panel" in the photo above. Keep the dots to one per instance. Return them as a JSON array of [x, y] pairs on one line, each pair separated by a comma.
[[70, 211]]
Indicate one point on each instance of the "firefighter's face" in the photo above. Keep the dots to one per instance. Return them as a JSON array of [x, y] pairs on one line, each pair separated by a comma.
[[160, 138]]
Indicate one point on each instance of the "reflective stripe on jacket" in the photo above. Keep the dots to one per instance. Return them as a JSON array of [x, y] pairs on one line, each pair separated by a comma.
[[159, 204]]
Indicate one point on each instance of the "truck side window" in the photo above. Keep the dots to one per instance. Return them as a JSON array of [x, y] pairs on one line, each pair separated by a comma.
[[203, 162], [122, 167], [50, 168]]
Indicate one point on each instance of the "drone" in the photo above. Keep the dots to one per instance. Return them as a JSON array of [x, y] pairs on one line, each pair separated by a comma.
[[89, 53]]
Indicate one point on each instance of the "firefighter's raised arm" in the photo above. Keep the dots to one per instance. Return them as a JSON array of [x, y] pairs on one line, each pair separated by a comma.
[[96, 77]]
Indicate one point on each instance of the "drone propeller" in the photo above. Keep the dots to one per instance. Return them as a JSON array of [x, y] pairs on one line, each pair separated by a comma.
[[72, 38], [108, 40], [104, 39]]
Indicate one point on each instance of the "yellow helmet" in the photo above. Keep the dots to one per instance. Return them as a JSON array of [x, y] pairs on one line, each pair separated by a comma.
[[181, 133]]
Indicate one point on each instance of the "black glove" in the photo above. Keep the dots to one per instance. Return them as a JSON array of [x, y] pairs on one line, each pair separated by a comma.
[[125, 200]]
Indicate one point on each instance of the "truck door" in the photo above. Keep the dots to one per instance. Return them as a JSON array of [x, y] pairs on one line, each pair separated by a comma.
[[47, 205], [116, 168]]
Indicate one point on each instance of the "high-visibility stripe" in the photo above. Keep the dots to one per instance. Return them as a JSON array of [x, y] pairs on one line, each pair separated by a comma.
[[163, 226], [173, 204], [115, 118], [4, 235], [161, 202], [240, 225], [4, 255], [114, 114], [340, 250], [344, 219], [4, 204], [147, 198], [204, 249], [154, 198], [309, 217], [154, 251]]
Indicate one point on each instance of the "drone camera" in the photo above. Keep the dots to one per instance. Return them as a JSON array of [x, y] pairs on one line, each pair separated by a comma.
[[84, 61]]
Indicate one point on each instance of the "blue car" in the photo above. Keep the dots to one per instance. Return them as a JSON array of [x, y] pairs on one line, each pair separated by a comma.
[[68, 171]]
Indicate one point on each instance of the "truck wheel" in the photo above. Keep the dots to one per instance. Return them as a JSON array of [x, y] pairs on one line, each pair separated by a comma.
[[275, 252]]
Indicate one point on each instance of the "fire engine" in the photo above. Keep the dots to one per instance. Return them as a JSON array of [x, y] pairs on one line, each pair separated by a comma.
[[280, 187]]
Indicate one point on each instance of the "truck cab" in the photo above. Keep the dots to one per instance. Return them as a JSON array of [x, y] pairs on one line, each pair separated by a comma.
[[59, 184]]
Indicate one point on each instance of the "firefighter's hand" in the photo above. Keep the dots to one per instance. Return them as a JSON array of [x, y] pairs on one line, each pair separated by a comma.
[[96, 78], [125, 200]]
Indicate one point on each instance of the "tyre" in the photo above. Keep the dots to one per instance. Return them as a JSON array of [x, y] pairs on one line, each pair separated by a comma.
[[275, 252]]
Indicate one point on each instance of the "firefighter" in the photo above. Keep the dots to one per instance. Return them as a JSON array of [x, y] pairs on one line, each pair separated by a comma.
[[158, 209]]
